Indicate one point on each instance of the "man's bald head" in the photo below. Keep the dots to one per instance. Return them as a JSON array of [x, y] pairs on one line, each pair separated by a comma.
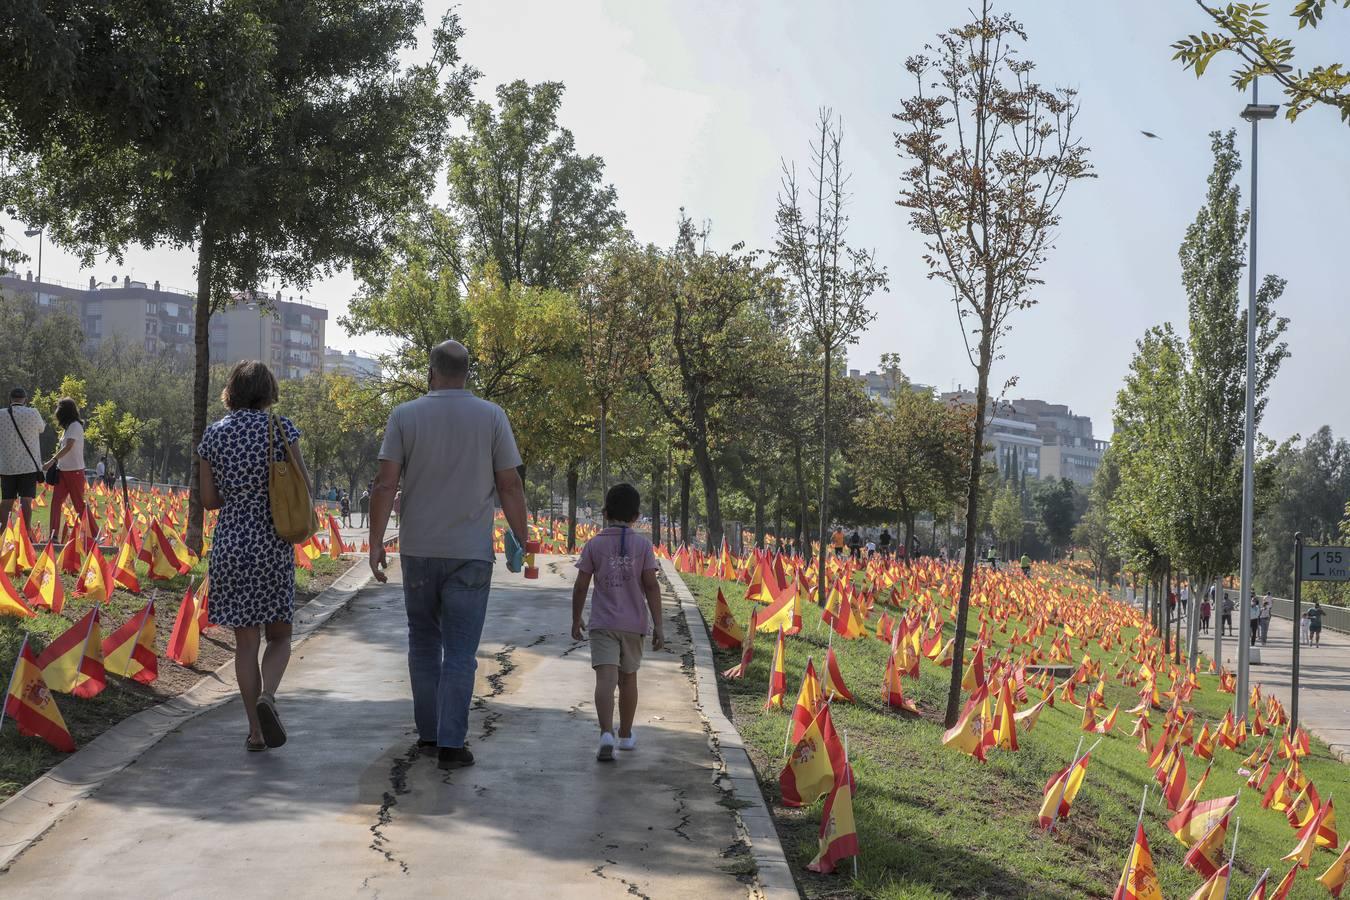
[[449, 364]]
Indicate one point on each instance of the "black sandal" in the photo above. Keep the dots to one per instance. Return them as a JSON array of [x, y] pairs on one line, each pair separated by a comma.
[[252, 747], [274, 735]]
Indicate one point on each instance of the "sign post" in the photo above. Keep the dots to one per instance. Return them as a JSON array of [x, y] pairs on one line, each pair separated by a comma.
[[1311, 564]]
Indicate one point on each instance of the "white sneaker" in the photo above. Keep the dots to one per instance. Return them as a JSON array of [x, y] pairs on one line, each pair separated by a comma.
[[628, 743], [606, 752]]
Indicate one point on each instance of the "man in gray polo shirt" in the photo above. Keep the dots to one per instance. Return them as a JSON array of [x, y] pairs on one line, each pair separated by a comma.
[[455, 453]]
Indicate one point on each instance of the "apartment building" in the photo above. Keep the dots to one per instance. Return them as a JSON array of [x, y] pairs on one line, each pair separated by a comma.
[[351, 363], [1047, 439], [286, 334]]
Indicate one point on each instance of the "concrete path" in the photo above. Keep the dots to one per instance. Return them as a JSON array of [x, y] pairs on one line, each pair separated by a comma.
[[1324, 679], [348, 809]]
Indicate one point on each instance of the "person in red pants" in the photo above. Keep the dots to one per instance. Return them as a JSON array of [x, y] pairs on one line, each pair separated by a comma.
[[69, 461]]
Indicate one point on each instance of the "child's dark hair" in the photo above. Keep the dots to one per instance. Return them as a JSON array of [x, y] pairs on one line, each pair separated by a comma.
[[622, 503]]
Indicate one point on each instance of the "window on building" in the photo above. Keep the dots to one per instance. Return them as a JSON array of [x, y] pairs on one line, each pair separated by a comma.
[[151, 326], [183, 329], [151, 309], [305, 319], [151, 345], [171, 310]]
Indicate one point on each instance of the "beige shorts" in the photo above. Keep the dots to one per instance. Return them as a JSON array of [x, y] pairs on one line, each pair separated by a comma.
[[617, 648]]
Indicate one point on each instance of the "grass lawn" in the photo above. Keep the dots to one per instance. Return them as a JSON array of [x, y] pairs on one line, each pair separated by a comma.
[[935, 823], [22, 758]]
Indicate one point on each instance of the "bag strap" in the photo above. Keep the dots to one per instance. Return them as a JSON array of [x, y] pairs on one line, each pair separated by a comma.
[[22, 440]]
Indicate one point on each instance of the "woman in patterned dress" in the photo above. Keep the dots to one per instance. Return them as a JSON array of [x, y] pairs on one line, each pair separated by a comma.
[[252, 569]]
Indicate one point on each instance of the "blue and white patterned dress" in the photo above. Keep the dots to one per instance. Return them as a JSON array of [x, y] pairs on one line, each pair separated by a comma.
[[252, 570]]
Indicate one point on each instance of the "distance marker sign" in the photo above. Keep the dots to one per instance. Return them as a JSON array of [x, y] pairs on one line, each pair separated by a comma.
[[1326, 564]]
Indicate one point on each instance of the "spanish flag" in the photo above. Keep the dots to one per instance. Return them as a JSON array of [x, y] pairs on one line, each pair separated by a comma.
[[160, 553], [203, 598], [817, 761], [779, 613], [835, 688], [1281, 890], [777, 674], [29, 702], [1333, 879], [1193, 823], [130, 650], [893, 689], [838, 835], [1216, 888], [71, 559], [184, 640], [1139, 880], [810, 699], [44, 587], [11, 604], [334, 539], [73, 661], [95, 578], [1207, 853], [1175, 790], [747, 651], [967, 735], [1061, 790], [124, 570], [727, 633], [1307, 841]]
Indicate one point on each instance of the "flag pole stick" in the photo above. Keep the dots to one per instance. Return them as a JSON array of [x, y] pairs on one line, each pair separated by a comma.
[[849, 773], [1237, 829], [1259, 882], [787, 735], [12, 675], [1064, 784], [1129, 861]]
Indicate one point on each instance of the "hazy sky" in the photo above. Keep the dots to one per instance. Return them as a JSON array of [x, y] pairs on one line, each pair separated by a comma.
[[694, 103]]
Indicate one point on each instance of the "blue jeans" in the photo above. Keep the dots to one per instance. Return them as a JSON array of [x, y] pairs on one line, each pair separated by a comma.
[[446, 600]]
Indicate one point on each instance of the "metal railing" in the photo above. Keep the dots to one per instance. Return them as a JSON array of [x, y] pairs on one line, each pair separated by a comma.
[[1337, 618]]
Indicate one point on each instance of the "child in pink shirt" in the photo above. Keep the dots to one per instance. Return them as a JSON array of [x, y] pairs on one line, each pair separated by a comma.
[[625, 600]]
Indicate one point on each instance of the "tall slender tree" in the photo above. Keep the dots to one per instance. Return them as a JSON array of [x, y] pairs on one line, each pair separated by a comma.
[[831, 280], [992, 155]]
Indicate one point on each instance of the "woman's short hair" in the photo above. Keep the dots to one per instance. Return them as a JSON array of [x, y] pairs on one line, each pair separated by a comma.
[[622, 503], [250, 385], [66, 412]]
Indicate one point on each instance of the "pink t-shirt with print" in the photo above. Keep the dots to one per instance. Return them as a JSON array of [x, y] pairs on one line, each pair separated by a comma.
[[616, 559]]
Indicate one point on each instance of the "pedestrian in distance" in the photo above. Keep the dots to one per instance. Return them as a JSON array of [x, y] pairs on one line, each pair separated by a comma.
[[884, 543], [837, 540], [1026, 565], [68, 464], [454, 454], [1227, 610], [1315, 623], [365, 508], [855, 543], [625, 606], [345, 508], [21, 428], [871, 548], [251, 567], [1206, 608], [1267, 610], [1254, 619], [101, 469], [1304, 634]]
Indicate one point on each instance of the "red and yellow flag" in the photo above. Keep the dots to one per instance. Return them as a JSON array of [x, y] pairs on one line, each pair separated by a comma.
[[1061, 790], [1139, 880], [73, 661], [727, 633], [817, 761], [29, 702], [1333, 879], [44, 588], [1193, 823], [835, 688], [130, 650], [185, 639], [1216, 888], [124, 570], [810, 699], [838, 834], [777, 674], [95, 578], [11, 604], [967, 735], [893, 689], [1207, 853], [1307, 841], [747, 651]]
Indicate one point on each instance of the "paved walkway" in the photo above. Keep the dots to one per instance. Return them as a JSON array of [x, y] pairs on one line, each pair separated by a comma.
[[348, 809]]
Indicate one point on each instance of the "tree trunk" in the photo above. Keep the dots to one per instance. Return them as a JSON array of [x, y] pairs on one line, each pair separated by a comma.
[[604, 456], [778, 521], [908, 521], [686, 474], [802, 507], [824, 482], [759, 515], [201, 384], [656, 507], [707, 474], [972, 526], [573, 476]]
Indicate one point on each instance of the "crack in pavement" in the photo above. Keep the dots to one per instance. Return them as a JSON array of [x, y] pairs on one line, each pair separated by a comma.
[[507, 666], [682, 810], [537, 641], [398, 786], [576, 645]]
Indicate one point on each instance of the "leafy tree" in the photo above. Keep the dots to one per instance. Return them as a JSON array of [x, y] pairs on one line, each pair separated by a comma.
[[1056, 505], [831, 280], [308, 403], [521, 196], [1007, 518], [703, 314], [911, 456], [993, 153], [1244, 32], [279, 141], [1310, 489], [40, 350], [120, 432]]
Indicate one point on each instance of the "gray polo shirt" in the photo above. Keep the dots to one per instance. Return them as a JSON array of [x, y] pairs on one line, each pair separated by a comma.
[[450, 445]]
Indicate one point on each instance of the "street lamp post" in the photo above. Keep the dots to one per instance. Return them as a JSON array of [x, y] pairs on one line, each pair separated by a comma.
[[37, 233], [1253, 113]]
